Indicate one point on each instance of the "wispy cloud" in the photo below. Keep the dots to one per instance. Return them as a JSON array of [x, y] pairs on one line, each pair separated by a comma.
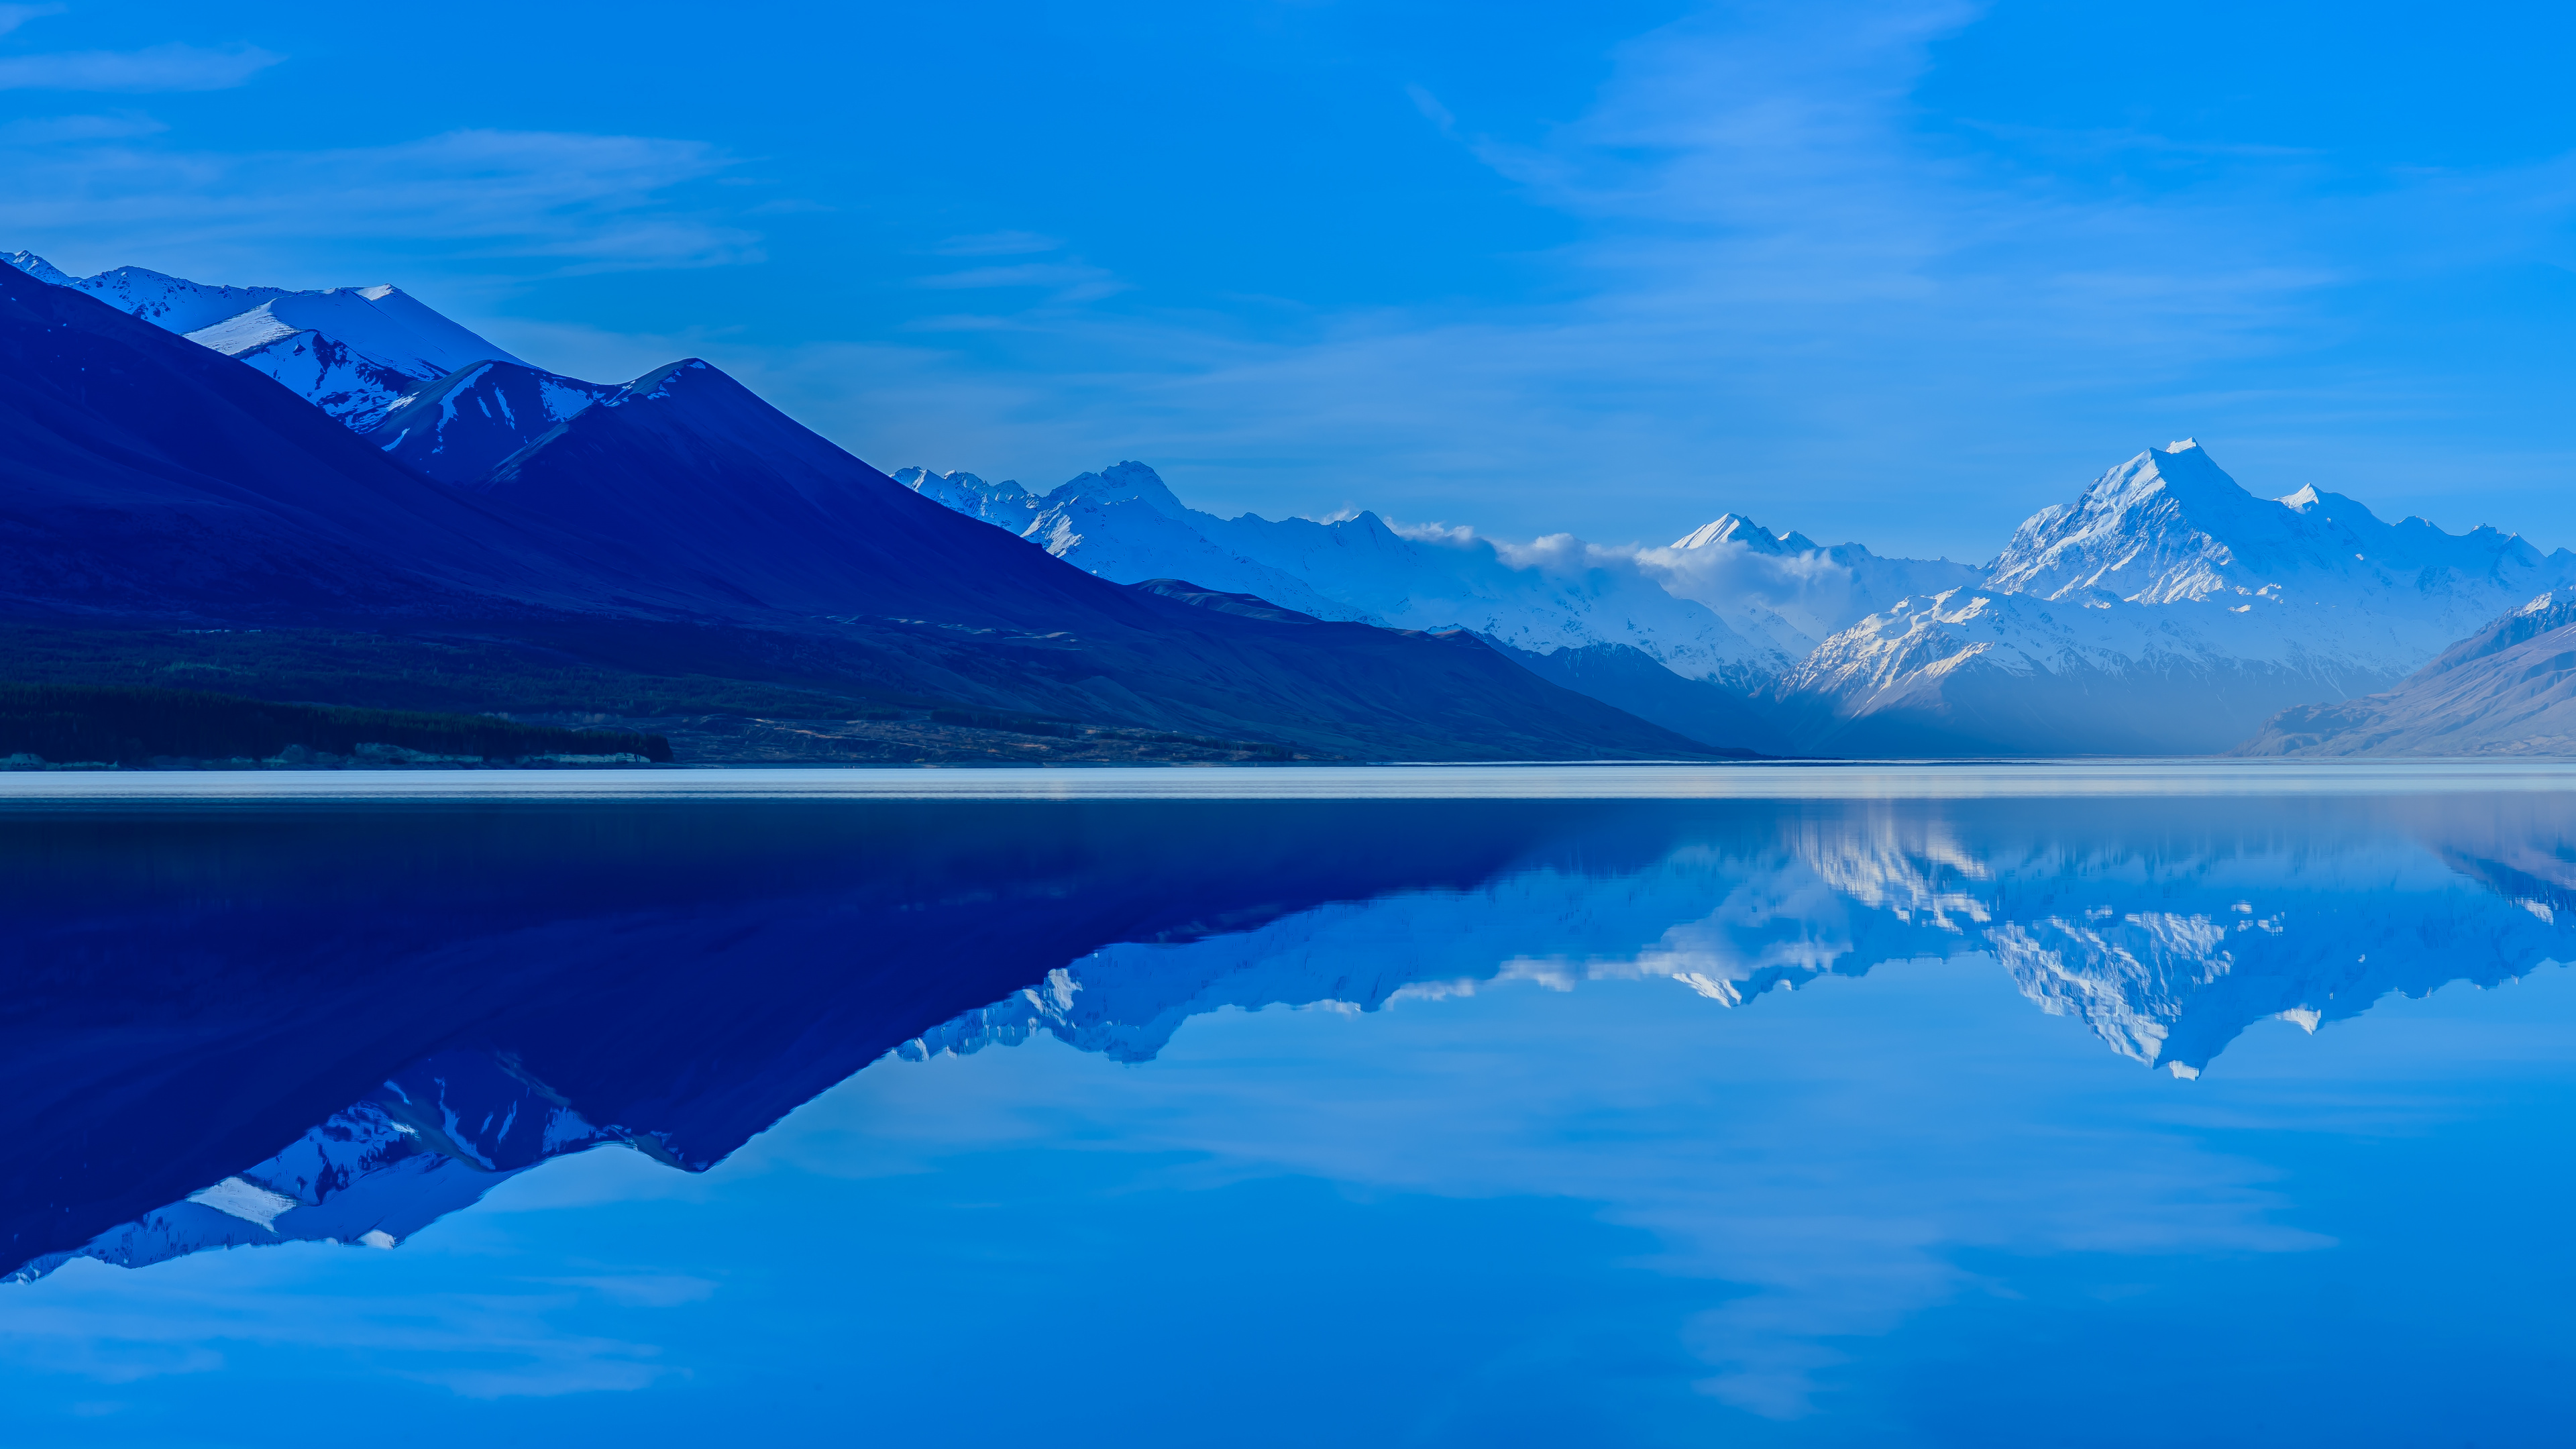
[[173, 67], [58, 130], [13, 16], [577, 203]]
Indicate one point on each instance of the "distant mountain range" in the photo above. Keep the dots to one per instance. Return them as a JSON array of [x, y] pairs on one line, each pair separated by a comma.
[[675, 524], [2165, 611]]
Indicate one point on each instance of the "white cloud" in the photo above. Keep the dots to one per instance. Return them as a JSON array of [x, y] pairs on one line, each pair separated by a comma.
[[173, 67]]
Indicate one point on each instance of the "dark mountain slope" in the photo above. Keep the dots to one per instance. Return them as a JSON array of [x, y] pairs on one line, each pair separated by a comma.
[[1633, 680], [688, 467], [456, 428], [148, 475], [146, 479]]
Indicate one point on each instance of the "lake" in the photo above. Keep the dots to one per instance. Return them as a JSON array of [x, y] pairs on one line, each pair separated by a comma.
[[2121, 1104]]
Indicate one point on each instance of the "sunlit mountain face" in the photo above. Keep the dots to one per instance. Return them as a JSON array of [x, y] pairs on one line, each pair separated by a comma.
[[1840, 1069]]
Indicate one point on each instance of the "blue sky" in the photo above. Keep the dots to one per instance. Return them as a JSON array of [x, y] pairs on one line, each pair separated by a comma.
[[1898, 272]]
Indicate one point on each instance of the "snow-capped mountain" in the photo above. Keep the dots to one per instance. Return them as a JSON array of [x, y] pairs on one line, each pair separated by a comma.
[[348, 350], [2166, 611], [1557, 593]]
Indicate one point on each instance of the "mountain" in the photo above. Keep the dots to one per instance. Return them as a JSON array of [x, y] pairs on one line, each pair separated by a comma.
[[458, 427], [348, 350], [1633, 680], [1723, 613], [149, 477], [1125, 524], [2509, 689], [152, 480], [2166, 611]]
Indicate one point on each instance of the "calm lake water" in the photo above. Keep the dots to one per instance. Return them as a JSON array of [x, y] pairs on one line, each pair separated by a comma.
[[2138, 1105]]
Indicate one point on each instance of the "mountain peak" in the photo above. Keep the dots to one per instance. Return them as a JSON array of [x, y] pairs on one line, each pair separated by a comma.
[[1738, 529], [2157, 528], [1127, 482]]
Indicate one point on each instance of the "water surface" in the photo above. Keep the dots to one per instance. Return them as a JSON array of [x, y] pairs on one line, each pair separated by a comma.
[[2102, 1105]]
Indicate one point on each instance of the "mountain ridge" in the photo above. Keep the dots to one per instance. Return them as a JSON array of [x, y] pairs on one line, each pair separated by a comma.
[[159, 481]]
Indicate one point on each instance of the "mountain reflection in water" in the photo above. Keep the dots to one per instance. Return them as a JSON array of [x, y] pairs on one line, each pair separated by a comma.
[[246, 1027]]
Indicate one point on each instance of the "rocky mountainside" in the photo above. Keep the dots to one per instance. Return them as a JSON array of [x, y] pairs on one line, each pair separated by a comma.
[[2508, 689]]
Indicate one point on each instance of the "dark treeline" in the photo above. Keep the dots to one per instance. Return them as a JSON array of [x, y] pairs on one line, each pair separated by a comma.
[[79, 724]]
